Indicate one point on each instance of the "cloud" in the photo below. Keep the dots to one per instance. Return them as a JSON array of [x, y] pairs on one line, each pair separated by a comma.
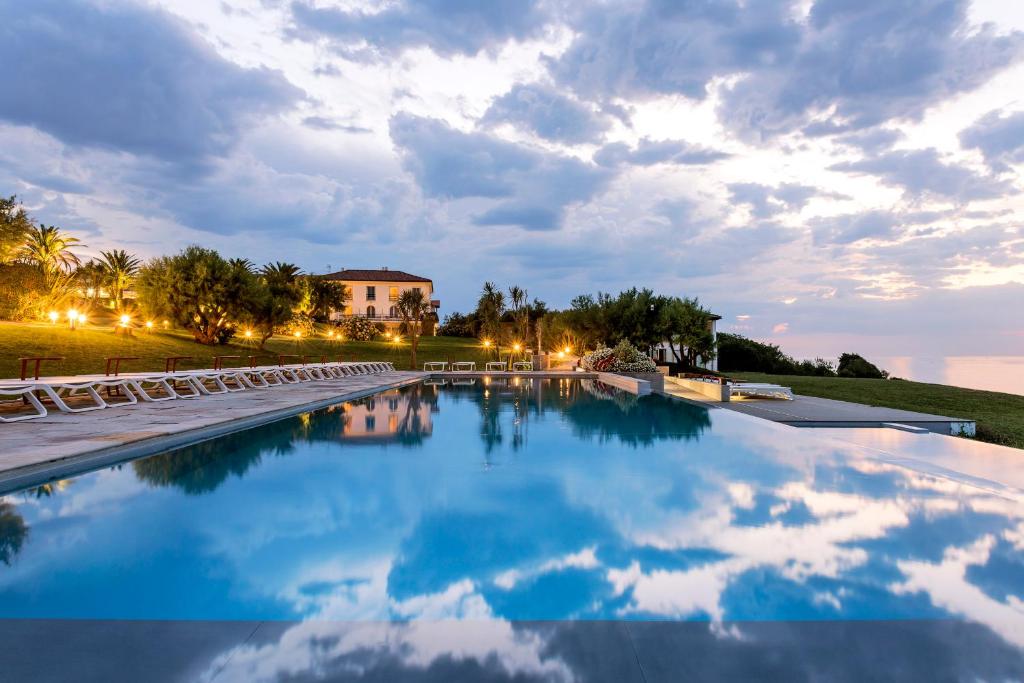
[[921, 172], [849, 228], [324, 123], [547, 113], [128, 78], [766, 201], [847, 66], [448, 28], [780, 328], [649, 152], [999, 137], [534, 187]]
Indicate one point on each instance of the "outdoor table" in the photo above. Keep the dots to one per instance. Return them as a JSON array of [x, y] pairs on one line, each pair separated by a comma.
[[434, 365], [464, 365]]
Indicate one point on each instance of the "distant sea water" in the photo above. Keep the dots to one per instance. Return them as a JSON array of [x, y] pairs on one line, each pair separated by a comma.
[[992, 373]]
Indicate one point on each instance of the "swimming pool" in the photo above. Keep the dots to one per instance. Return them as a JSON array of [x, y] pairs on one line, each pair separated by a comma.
[[515, 530]]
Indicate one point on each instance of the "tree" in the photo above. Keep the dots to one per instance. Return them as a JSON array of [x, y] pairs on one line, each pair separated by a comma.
[[275, 300], [319, 297], [520, 312], [686, 324], [14, 228], [91, 277], [201, 291], [855, 365], [412, 306], [488, 311], [119, 270], [458, 325], [49, 248]]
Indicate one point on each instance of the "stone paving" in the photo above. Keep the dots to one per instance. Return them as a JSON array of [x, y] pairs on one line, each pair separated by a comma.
[[58, 437]]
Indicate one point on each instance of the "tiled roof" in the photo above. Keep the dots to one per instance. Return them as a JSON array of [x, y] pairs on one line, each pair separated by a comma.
[[382, 275]]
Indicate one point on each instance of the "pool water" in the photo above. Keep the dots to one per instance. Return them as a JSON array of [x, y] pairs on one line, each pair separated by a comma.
[[521, 530]]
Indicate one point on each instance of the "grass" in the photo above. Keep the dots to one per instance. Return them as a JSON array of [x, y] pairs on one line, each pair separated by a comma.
[[84, 350], [1000, 417]]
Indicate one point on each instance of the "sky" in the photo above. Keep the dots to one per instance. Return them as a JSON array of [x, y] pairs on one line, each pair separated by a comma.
[[828, 175]]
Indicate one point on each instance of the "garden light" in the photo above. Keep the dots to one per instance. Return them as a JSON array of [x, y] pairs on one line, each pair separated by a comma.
[[54, 316], [125, 319], [487, 343], [517, 347], [149, 324], [297, 334], [567, 350], [247, 334], [73, 315], [166, 324]]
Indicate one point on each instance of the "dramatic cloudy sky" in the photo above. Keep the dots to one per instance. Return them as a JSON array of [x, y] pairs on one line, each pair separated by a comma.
[[832, 175]]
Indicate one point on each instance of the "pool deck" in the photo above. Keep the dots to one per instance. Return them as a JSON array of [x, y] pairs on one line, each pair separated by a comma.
[[809, 411]]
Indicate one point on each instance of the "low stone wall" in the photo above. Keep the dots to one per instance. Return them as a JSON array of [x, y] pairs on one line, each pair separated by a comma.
[[714, 391], [633, 385]]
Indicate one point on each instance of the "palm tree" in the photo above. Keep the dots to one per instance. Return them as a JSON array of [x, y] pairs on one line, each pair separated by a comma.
[[49, 248], [90, 278], [488, 310], [520, 311], [412, 306], [119, 270], [281, 272]]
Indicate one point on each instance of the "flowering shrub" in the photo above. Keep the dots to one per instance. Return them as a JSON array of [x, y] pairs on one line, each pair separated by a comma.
[[360, 329], [623, 358]]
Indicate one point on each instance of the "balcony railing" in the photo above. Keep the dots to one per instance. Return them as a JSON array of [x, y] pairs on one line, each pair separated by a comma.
[[377, 317]]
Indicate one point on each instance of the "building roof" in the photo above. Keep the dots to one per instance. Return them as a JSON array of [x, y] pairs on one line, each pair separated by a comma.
[[379, 275]]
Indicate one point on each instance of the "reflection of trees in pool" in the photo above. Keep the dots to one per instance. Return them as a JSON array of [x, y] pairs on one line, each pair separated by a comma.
[[641, 421], [593, 409], [13, 531], [202, 468]]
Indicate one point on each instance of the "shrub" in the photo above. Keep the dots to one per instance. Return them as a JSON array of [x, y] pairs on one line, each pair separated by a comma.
[[358, 328], [623, 358]]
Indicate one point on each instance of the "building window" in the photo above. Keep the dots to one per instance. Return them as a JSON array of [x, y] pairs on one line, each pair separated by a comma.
[[370, 423], [371, 312], [371, 293], [393, 312], [415, 289], [393, 293]]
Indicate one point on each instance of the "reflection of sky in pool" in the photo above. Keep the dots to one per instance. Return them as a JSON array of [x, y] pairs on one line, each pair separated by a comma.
[[550, 500]]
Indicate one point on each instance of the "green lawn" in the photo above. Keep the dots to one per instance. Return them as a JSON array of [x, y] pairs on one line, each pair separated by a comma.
[[84, 350], [1000, 417]]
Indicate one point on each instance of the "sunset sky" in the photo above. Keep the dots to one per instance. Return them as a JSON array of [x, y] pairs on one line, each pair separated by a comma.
[[833, 175]]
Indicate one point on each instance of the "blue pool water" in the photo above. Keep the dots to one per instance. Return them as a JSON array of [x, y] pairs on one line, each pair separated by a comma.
[[534, 529]]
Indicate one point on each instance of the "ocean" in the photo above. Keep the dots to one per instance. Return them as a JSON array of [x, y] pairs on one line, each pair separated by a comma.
[[992, 373]]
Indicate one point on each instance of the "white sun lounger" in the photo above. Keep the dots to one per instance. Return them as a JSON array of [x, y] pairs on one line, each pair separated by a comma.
[[522, 365], [29, 394], [496, 365], [464, 366], [58, 389], [755, 390]]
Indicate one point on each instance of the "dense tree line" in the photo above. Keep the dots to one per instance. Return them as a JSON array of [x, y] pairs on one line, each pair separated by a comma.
[[739, 354], [198, 289], [638, 316]]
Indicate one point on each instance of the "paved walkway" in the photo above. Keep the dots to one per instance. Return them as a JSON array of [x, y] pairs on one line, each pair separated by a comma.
[[106, 435], [808, 411]]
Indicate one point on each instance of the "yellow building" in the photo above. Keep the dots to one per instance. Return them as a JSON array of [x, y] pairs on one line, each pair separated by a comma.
[[374, 294]]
